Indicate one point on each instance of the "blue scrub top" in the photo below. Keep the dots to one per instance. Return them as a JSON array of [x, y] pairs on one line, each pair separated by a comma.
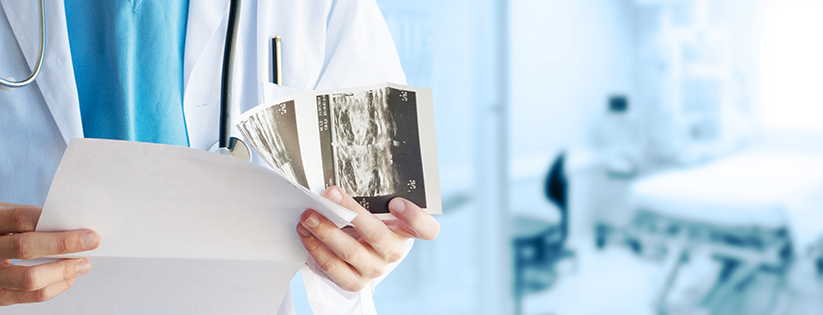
[[128, 65]]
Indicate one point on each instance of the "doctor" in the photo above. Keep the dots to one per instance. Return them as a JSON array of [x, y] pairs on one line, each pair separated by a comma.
[[150, 71]]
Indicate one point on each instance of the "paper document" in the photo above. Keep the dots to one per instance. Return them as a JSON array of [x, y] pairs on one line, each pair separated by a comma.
[[139, 286], [183, 230], [160, 201], [376, 142]]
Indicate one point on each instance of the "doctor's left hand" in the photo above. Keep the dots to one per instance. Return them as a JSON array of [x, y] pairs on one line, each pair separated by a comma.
[[352, 256], [19, 284]]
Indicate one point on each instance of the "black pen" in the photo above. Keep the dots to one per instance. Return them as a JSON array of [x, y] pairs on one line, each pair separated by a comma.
[[276, 62]]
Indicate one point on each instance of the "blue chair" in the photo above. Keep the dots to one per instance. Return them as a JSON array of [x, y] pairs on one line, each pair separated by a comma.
[[538, 245]]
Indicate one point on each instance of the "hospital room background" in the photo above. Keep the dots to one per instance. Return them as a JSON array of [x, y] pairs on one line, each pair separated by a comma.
[[617, 157]]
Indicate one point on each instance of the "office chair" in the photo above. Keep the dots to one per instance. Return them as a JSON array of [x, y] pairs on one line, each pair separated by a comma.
[[539, 246], [556, 190]]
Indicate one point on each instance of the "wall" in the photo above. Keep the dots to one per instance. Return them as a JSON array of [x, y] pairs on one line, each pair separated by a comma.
[[566, 58]]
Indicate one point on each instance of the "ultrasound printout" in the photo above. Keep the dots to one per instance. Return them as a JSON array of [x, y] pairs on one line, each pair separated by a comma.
[[273, 130], [374, 142], [371, 147]]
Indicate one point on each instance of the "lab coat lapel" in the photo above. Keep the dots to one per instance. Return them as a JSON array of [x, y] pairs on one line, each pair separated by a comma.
[[203, 21], [262, 51], [56, 80], [200, 72]]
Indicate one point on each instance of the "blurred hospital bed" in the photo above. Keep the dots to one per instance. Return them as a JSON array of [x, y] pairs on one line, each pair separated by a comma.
[[723, 225]]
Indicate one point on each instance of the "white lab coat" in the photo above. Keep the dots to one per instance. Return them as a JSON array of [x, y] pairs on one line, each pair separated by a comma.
[[326, 44]]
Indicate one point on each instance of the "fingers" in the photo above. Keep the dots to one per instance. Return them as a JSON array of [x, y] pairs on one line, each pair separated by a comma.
[[421, 223], [34, 278], [18, 218], [340, 197], [343, 274], [370, 228], [9, 297], [352, 257], [342, 244], [38, 244], [39, 283]]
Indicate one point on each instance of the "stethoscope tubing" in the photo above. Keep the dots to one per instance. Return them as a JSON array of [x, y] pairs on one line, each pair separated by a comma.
[[39, 65], [226, 79]]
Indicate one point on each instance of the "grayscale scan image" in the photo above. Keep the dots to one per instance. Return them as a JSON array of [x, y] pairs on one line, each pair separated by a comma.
[[272, 132], [370, 146]]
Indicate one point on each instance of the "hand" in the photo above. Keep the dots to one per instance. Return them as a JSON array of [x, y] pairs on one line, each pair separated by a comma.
[[352, 256], [40, 283]]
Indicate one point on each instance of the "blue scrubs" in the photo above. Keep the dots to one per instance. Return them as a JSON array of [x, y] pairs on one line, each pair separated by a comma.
[[128, 65]]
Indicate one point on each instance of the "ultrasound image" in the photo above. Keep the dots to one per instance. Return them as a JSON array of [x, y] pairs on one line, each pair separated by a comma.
[[371, 146], [272, 132]]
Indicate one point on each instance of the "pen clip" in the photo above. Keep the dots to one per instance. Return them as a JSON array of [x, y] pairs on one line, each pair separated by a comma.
[[277, 62]]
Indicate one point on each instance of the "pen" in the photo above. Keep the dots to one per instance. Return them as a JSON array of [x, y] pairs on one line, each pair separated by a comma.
[[277, 66]]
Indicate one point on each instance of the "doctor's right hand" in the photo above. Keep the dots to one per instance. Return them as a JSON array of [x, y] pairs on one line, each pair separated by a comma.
[[19, 284]]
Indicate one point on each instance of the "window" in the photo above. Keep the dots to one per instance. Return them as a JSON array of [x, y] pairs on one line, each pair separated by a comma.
[[791, 66]]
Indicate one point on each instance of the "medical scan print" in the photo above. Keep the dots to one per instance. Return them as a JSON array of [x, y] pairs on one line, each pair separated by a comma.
[[273, 131], [371, 146], [375, 142]]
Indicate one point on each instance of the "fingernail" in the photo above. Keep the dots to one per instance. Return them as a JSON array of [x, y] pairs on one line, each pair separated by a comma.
[[303, 231], [313, 221], [335, 196], [83, 267], [90, 240], [397, 205]]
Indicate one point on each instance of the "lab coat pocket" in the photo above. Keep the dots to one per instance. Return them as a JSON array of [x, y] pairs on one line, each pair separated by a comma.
[[272, 92]]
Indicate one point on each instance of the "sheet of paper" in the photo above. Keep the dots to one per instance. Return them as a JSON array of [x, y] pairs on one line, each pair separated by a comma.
[[138, 286], [160, 201], [183, 231], [376, 142]]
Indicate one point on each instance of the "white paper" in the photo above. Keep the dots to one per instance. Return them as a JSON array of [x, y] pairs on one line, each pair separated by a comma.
[[180, 228], [160, 201], [376, 142], [141, 286]]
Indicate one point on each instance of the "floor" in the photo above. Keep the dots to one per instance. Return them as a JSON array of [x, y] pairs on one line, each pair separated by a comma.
[[615, 281], [611, 281]]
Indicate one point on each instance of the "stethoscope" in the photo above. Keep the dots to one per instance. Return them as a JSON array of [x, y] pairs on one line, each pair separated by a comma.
[[226, 145], [11, 84]]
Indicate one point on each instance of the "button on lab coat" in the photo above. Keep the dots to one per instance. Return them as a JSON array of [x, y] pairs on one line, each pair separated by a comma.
[[326, 44]]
